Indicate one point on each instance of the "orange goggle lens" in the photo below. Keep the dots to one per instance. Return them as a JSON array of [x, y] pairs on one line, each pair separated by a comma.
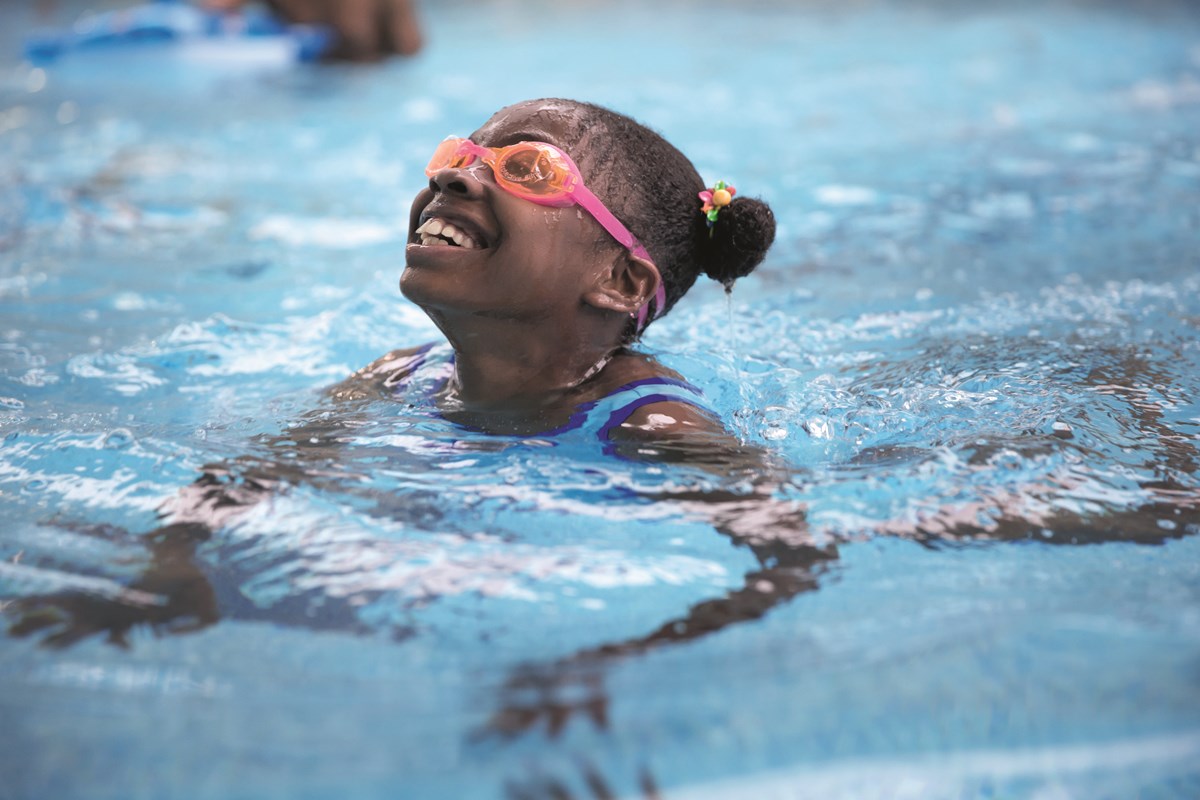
[[528, 169], [447, 155]]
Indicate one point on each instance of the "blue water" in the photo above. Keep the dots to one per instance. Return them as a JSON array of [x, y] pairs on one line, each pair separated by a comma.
[[974, 348]]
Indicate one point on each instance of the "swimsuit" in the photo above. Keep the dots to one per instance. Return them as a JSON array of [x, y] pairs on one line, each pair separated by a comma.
[[597, 418], [426, 371]]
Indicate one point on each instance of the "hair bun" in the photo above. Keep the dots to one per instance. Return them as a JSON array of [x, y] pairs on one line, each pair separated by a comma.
[[739, 239]]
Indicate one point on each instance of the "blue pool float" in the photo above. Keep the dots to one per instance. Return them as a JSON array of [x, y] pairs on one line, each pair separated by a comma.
[[170, 21]]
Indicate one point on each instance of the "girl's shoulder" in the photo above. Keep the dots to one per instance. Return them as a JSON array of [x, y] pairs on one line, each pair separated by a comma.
[[645, 400], [383, 374], [631, 366]]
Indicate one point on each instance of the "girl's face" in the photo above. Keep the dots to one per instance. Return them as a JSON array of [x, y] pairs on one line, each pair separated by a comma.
[[514, 259]]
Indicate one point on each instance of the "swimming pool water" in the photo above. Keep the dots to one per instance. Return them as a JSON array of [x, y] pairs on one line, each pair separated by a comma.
[[974, 347]]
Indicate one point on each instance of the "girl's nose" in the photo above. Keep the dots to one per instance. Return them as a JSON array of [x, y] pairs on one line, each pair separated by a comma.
[[463, 182]]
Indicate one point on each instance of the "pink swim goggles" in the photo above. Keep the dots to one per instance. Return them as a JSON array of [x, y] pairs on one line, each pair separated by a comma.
[[541, 173]]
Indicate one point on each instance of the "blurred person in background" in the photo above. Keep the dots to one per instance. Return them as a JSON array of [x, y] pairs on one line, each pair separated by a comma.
[[366, 29]]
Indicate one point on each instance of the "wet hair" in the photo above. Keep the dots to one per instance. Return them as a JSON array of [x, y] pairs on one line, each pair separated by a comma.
[[652, 188]]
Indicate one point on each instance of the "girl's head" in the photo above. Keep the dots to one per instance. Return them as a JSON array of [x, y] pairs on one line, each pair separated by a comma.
[[536, 251]]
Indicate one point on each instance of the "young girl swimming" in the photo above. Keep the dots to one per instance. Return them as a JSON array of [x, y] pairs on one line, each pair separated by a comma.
[[542, 246], [540, 287]]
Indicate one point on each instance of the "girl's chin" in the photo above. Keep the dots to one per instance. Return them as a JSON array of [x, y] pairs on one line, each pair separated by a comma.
[[432, 289], [414, 285]]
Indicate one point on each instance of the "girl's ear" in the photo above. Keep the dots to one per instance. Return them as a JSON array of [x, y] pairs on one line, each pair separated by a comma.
[[626, 286]]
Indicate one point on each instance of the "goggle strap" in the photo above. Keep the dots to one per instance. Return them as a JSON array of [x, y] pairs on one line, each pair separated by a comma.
[[467, 146], [660, 294], [618, 231], [660, 300], [610, 223], [595, 207]]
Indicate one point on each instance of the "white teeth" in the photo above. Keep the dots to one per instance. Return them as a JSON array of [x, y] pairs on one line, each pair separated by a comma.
[[436, 231]]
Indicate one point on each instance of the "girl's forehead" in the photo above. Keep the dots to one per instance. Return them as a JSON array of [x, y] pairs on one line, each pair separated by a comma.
[[554, 122]]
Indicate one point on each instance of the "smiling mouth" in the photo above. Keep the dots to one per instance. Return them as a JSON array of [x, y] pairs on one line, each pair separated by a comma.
[[435, 232]]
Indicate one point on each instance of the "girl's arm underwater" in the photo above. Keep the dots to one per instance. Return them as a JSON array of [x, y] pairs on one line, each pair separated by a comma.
[[792, 559], [173, 593]]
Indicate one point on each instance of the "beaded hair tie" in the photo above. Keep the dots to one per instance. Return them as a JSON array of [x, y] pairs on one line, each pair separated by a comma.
[[716, 198]]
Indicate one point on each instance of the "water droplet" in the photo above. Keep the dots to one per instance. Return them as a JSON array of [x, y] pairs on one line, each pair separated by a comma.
[[12, 402], [118, 439], [35, 485], [818, 428]]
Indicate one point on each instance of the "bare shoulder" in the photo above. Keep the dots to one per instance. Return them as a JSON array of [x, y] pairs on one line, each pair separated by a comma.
[[662, 419], [397, 361], [629, 367], [374, 377], [667, 419]]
